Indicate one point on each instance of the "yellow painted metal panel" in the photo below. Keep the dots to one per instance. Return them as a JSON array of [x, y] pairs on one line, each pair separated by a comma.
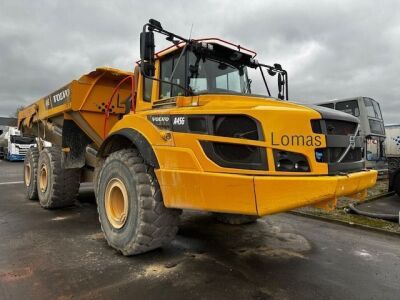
[[278, 194], [207, 191]]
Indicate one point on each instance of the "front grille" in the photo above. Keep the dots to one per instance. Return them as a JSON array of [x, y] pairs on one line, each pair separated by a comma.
[[336, 127], [237, 156], [339, 136], [236, 126], [333, 127], [332, 155], [355, 154], [22, 151]]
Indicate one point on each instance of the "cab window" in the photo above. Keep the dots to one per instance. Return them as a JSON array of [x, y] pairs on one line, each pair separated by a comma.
[[372, 108], [350, 107], [147, 87], [211, 76], [167, 67]]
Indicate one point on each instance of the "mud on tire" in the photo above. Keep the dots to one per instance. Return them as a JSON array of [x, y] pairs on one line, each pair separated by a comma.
[[57, 187], [235, 219], [30, 173], [147, 224]]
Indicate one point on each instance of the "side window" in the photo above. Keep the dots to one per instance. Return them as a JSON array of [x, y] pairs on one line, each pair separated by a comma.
[[166, 70], [370, 108], [147, 88], [373, 109], [179, 76], [167, 66]]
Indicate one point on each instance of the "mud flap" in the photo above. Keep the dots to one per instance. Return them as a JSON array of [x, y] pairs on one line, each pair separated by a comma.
[[74, 143]]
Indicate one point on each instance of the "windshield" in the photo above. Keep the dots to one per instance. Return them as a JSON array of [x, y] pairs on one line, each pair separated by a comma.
[[211, 76], [16, 139], [350, 107], [372, 108], [212, 73]]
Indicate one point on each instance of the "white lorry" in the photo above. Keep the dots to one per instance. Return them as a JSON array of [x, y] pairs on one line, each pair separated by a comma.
[[13, 146], [393, 156]]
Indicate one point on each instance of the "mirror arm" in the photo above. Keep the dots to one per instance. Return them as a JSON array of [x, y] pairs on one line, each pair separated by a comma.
[[265, 81], [151, 27], [276, 70]]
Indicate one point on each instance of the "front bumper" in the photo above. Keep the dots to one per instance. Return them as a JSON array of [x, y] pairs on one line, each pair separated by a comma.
[[281, 194], [258, 195], [15, 157]]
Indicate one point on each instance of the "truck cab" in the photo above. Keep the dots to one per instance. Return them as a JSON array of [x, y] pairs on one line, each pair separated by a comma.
[[371, 128], [14, 146]]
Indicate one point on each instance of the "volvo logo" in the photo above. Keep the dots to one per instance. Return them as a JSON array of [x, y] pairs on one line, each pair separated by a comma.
[[352, 141]]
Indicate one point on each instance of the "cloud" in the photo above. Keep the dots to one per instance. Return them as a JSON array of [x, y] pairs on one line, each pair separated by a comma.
[[331, 49]]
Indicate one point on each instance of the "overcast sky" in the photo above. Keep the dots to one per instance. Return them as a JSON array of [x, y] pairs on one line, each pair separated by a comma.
[[331, 49]]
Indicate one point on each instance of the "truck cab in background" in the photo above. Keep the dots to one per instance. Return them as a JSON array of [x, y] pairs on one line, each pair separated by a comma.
[[372, 128], [13, 146]]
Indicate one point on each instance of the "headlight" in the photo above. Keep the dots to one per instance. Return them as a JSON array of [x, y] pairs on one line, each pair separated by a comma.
[[290, 161]]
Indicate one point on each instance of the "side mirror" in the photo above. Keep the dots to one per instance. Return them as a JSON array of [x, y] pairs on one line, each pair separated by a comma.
[[147, 53]]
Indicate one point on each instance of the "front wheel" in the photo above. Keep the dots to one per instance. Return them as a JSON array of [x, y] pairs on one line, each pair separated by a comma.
[[130, 205]]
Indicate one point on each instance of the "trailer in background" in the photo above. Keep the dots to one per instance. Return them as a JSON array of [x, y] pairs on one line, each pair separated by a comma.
[[393, 156]]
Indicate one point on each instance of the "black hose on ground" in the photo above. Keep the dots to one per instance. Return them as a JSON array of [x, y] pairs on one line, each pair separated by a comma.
[[389, 217]]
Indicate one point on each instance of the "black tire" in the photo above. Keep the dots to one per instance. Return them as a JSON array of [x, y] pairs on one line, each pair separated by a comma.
[[30, 173], [235, 219], [148, 224], [62, 185], [99, 165]]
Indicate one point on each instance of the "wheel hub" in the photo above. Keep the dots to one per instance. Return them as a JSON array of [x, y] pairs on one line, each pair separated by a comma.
[[27, 174], [116, 203], [43, 178]]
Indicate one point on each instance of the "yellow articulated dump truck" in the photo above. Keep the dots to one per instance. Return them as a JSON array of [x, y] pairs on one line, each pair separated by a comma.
[[185, 131]]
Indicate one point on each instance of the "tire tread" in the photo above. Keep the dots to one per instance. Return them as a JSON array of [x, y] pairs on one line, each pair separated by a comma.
[[157, 225]]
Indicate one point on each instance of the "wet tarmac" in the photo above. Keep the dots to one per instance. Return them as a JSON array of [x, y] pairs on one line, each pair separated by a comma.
[[62, 254]]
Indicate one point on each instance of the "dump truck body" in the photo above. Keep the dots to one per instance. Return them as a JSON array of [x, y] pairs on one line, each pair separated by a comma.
[[73, 116], [153, 146]]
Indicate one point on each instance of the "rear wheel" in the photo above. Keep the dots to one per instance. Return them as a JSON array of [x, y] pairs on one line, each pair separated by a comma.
[[130, 205], [57, 187], [30, 173], [235, 219]]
